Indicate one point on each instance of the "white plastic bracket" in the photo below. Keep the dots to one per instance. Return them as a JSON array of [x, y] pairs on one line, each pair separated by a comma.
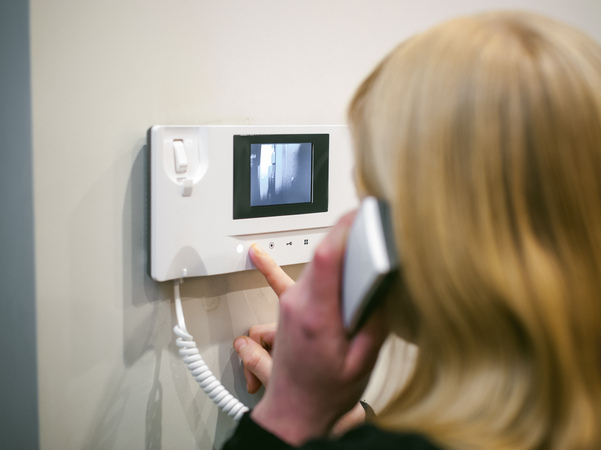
[[186, 185]]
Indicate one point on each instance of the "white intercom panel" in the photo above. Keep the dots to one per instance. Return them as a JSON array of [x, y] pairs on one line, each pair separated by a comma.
[[215, 190]]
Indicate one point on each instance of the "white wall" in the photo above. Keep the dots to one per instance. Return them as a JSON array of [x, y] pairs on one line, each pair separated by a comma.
[[102, 73]]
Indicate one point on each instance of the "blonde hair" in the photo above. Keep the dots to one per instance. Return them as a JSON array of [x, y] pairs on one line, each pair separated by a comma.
[[484, 133]]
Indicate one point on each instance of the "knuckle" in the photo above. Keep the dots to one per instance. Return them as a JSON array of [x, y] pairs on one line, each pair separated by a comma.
[[325, 258], [288, 307], [253, 332], [259, 333], [253, 360], [323, 255]]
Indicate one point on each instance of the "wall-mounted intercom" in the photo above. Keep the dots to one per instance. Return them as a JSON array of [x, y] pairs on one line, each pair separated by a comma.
[[215, 190]]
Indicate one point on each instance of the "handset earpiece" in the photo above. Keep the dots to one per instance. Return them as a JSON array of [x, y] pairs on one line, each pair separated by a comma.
[[370, 262]]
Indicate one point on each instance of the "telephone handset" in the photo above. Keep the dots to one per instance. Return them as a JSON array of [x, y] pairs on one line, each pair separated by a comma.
[[370, 262]]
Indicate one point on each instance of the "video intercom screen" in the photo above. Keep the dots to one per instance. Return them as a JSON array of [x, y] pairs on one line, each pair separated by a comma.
[[276, 175], [280, 173]]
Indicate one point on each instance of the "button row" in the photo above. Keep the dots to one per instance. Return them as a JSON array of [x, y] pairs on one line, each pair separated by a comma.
[[288, 243]]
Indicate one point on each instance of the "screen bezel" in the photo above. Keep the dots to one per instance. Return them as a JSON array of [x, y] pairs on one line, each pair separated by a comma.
[[320, 147]]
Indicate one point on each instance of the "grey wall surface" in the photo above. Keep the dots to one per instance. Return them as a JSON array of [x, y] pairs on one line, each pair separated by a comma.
[[18, 376]]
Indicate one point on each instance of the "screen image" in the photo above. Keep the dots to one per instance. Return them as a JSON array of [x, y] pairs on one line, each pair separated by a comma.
[[280, 173]]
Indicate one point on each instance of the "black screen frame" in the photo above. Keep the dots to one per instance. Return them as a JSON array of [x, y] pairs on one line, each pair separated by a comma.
[[320, 147]]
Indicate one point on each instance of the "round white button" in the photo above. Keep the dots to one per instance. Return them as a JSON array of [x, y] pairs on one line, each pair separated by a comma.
[[240, 248]]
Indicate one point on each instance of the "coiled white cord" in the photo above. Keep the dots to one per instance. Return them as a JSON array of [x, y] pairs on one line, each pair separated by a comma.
[[196, 365]]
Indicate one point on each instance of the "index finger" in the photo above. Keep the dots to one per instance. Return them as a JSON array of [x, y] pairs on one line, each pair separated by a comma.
[[264, 334], [275, 276]]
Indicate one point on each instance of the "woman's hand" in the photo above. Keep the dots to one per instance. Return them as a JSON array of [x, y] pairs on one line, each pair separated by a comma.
[[255, 349], [317, 373], [255, 352]]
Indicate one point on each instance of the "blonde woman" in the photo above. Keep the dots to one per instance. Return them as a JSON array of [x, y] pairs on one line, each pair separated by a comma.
[[484, 135]]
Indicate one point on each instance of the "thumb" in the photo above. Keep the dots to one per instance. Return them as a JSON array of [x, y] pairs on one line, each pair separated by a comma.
[[254, 357]]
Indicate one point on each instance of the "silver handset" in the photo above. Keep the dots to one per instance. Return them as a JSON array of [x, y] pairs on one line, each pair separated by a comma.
[[370, 262]]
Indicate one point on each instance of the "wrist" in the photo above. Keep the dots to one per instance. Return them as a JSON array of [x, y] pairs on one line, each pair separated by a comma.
[[294, 424], [352, 419]]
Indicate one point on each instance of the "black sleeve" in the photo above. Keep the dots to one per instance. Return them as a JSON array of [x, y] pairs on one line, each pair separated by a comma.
[[250, 435]]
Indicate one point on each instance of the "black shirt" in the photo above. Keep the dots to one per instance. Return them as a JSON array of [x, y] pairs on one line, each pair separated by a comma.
[[250, 435]]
